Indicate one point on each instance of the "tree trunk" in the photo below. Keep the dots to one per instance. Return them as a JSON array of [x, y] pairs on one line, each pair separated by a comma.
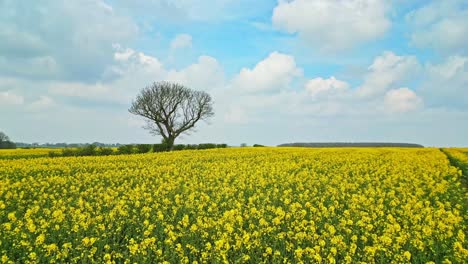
[[170, 143]]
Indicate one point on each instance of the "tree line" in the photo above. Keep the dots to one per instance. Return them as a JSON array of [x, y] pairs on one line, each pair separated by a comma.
[[93, 150], [5, 142]]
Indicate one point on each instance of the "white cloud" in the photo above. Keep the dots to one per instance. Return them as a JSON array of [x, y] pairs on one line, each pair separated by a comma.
[[206, 74], [332, 25], [453, 66], [387, 71], [237, 115], [75, 37], [35, 67], [128, 62], [274, 73], [97, 91], [10, 98], [319, 87], [446, 84], [133, 70], [181, 41], [441, 25], [402, 100]]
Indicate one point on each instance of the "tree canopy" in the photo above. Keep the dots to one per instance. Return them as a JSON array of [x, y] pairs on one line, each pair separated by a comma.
[[171, 109]]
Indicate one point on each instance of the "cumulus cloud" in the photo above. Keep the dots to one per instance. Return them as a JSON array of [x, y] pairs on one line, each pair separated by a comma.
[[387, 71], [133, 70], [446, 83], [441, 25], [205, 74], [128, 62], [181, 41], [73, 36], [319, 87], [274, 73], [402, 100], [332, 24], [277, 94]]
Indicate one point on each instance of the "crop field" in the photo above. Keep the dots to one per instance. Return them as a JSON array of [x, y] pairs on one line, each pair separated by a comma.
[[242, 205], [25, 153]]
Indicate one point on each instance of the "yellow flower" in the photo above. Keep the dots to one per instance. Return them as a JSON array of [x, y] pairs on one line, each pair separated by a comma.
[[407, 255], [40, 239]]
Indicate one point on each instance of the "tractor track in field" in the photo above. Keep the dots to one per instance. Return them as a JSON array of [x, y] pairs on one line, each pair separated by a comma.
[[457, 164]]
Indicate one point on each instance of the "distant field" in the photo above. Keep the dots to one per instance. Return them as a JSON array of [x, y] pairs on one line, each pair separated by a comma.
[[240, 205], [25, 153]]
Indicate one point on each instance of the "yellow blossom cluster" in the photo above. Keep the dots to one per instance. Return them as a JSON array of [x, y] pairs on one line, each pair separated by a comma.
[[244, 205], [459, 155], [25, 153]]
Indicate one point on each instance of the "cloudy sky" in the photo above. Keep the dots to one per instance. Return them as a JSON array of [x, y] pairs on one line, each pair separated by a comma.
[[278, 71]]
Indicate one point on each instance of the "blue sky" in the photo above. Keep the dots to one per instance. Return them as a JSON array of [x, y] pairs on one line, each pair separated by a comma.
[[278, 71]]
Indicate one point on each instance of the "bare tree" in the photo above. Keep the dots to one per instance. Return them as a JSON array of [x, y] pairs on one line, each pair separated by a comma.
[[171, 109]]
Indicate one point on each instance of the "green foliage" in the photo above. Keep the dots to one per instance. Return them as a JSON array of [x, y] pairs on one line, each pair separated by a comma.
[[207, 146], [191, 146], [7, 145], [102, 151], [160, 147], [258, 146], [68, 152], [126, 149], [143, 148], [53, 154], [90, 150], [179, 147]]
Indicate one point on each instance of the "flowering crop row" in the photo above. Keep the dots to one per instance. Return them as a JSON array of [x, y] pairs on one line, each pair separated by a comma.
[[459, 157], [25, 153], [246, 205]]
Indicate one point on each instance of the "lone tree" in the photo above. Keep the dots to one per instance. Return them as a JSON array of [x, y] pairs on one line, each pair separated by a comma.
[[171, 109]]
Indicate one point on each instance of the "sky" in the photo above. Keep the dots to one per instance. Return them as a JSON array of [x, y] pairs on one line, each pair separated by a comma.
[[278, 71]]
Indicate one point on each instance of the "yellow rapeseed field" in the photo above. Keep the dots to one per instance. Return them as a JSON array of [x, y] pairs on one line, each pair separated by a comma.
[[25, 153], [460, 154], [245, 205]]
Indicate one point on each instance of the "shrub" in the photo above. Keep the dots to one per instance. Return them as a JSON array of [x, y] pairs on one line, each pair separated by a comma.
[[257, 145], [102, 151], [125, 149], [221, 146], [160, 147], [7, 145], [143, 148], [191, 146], [66, 152], [53, 154], [90, 150], [207, 146], [179, 147]]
